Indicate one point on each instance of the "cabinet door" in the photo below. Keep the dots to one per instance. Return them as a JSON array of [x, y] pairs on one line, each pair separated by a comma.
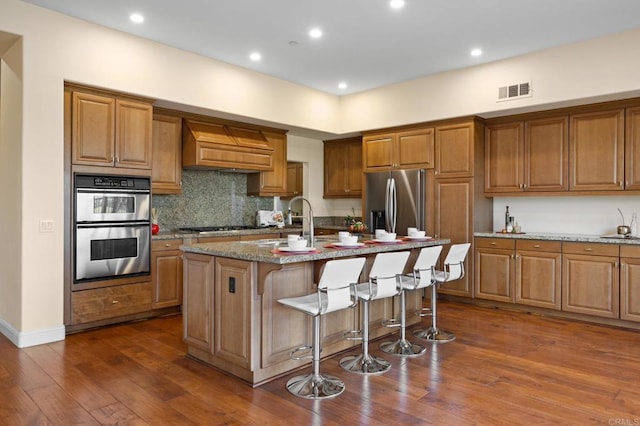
[[590, 285], [415, 148], [93, 129], [377, 152], [273, 182], [166, 170], [632, 147], [454, 220], [233, 293], [166, 275], [630, 289], [454, 150], [354, 168], [538, 278], [504, 166], [133, 134], [546, 154], [335, 172], [294, 179], [597, 151], [494, 274], [198, 301]]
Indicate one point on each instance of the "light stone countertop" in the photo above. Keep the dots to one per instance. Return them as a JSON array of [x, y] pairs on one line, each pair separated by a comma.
[[261, 250], [576, 238], [169, 235]]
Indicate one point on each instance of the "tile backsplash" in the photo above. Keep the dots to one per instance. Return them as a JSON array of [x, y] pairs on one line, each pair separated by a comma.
[[209, 198]]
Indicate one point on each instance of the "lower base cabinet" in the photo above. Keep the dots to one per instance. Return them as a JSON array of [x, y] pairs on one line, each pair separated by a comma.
[[110, 302], [630, 283], [166, 273], [590, 279]]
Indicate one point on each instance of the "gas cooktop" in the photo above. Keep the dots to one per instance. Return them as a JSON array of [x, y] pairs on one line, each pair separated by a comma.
[[218, 228]]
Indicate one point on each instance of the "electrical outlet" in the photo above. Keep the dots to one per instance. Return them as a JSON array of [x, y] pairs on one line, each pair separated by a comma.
[[46, 225], [232, 284]]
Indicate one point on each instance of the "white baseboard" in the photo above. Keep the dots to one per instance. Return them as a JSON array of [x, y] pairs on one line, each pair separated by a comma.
[[31, 338]]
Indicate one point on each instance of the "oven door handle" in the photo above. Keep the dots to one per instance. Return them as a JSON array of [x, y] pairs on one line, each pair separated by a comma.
[[114, 191], [138, 224]]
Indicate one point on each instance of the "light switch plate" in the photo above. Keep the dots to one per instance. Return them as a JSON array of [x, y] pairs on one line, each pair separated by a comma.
[[46, 225]]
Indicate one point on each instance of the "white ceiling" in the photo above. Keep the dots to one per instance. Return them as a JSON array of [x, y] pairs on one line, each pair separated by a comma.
[[365, 43]]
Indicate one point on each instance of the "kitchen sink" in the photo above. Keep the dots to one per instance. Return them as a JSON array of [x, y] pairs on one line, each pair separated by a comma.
[[268, 242]]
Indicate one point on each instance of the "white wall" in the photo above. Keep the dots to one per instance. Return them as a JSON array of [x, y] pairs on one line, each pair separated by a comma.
[[566, 215], [57, 48]]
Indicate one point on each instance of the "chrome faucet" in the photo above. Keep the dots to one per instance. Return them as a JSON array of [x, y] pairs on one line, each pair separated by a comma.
[[300, 197]]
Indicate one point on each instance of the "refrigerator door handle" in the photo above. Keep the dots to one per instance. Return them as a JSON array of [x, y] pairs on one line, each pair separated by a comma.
[[391, 205]]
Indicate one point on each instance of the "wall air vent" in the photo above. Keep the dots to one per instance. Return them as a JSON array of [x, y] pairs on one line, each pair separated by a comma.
[[514, 91]]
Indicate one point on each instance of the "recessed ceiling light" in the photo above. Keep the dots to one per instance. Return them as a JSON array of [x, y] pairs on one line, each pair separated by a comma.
[[315, 33], [396, 4], [137, 18], [342, 85], [476, 52], [255, 56]]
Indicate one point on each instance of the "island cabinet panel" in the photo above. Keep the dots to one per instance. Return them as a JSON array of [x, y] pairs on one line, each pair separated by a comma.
[[590, 279], [538, 273], [630, 283], [166, 273], [234, 286], [283, 328], [597, 151], [495, 269], [198, 301]]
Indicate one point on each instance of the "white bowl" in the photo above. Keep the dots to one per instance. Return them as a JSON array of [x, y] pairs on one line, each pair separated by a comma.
[[349, 240], [389, 236], [297, 244], [418, 234]]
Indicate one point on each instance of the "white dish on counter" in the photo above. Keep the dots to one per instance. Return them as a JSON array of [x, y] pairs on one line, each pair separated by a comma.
[[426, 237], [348, 245], [387, 241], [296, 250]]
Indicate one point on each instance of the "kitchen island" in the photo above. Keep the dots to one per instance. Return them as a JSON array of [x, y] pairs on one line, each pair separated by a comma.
[[232, 318]]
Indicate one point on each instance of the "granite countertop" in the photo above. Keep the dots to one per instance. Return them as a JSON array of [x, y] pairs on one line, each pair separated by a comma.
[[576, 238], [261, 250], [173, 234]]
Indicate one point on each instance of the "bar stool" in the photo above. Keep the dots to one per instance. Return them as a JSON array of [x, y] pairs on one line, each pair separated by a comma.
[[421, 277], [336, 291], [453, 270], [384, 281]]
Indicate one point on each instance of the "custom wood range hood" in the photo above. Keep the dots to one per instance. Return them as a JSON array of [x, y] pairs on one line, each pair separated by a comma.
[[225, 146]]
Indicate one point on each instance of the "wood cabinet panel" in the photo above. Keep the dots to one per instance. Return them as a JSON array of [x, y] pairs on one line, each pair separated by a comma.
[[294, 179], [133, 135], [343, 168], [538, 278], [454, 148], [273, 182], [597, 151], [546, 154], [233, 291], [378, 152], [504, 165], [110, 302], [93, 120], [197, 312], [494, 274], [166, 273], [408, 149], [590, 285], [630, 288], [632, 149], [166, 169]]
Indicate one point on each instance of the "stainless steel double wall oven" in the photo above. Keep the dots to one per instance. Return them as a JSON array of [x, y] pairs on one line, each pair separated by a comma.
[[112, 227]]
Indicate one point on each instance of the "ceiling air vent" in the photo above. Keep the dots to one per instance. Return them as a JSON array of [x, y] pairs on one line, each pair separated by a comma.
[[514, 91]]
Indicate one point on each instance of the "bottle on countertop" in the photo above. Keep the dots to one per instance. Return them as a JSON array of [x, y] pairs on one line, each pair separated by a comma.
[[507, 219], [289, 219], [635, 232]]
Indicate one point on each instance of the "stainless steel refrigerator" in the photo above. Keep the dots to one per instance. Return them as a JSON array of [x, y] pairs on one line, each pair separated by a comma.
[[395, 200]]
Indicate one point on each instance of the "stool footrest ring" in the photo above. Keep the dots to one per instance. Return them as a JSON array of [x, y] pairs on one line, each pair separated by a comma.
[[391, 323], [424, 312], [295, 354], [353, 335]]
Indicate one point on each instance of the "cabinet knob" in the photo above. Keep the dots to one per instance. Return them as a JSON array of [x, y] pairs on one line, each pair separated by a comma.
[[167, 245], [536, 246], [493, 243], [113, 302], [588, 249]]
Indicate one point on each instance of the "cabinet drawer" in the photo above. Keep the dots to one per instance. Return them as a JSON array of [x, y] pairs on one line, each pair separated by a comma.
[[539, 245], [110, 302], [162, 245], [591, 249], [629, 251], [498, 243]]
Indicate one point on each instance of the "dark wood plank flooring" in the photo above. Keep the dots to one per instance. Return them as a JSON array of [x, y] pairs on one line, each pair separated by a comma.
[[503, 368]]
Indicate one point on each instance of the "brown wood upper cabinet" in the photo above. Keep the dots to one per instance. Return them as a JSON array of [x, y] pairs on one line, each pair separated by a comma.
[[343, 168], [632, 149], [454, 149], [529, 155], [403, 149], [273, 182], [110, 130], [597, 151], [166, 172], [294, 179]]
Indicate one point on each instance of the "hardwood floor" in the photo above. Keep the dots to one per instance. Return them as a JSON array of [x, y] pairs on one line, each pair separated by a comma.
[[503, 368]]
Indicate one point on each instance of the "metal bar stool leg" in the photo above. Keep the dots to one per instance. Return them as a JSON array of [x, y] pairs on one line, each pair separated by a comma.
[[315, 385], [365, 363], [433, 333], [402, 347]]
